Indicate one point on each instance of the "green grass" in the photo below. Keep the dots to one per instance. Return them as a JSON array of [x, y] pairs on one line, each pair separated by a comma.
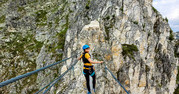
[[55, 9], [59, 57], [2, 19], [3, 2], [49, 24], [32, 1], [57, 20], [20, 8], [127, 50], [61, 35], [41, 18], [21, 43]]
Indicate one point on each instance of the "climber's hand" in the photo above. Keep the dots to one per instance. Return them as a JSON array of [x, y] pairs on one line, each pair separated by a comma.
[[101, 61]]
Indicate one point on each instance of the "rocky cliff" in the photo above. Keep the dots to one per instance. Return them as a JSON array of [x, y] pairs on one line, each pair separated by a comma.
[[131, 36], [177, 35]]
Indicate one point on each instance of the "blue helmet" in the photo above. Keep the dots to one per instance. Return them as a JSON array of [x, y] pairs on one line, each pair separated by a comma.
[[85, 47]]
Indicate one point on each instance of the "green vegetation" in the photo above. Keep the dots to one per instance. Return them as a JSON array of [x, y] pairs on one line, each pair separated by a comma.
[[107, 18], [57, 20], [143, 25], [16, 47], [62, 35], [87, 5], [147, 69], [2, 2], [127, 50], [135, 22], [149, 34], [154, 9], [55, 75], [41, 18], [54, 9], [97, 56], [107, 32], [32, 1], [166, 19], [63, 7], [20, 8], [49, 24], [177, 82], [108, 25], [171, 37], [58, 57], [21, 43], [30, 81], [2, 19], [121, 9], [175, 49], [1, 28], [178, 76]]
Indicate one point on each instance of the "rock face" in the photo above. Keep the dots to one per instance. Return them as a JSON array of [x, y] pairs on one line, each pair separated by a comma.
[[177, 35], [131, 36]]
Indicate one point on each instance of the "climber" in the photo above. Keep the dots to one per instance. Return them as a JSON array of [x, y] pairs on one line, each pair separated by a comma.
[[88, 69]]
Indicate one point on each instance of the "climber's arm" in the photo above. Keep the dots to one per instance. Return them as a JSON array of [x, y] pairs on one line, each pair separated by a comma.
[[94, 62], [79, 58]]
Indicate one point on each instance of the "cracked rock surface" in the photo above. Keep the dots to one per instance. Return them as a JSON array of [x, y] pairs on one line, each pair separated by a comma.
[[129, 35]]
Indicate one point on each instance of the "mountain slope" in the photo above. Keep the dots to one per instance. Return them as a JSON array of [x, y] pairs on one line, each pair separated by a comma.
[[131, 37]]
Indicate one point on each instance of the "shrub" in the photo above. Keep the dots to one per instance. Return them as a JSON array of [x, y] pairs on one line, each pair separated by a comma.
[[127, 50], [154, 9], [171, 37], [166, 19], [88, 4]]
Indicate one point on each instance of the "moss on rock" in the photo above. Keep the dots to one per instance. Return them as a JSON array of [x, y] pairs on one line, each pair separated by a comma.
[[61, 36], [127, 50], [2, 19]]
